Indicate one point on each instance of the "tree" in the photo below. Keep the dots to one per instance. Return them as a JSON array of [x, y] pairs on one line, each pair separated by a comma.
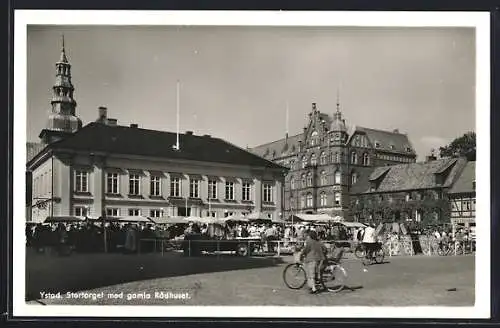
[[461, 146]]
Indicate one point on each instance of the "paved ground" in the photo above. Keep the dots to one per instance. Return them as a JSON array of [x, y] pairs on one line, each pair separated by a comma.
[[402, 281]]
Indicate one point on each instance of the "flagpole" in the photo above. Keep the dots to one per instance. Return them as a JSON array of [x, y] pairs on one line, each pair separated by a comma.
[[287, 119], [178, 112]]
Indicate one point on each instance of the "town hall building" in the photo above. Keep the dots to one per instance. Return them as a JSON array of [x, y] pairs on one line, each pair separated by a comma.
[[327, 158]]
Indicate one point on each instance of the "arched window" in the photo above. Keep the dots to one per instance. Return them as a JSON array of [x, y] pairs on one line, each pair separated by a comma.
[[303, 181], [292, 165], [338, 177], [354, 178], [302, 201], [304, 162], [313, 160], [338, 199], [292, 183], [354, 158], [324, 179], [309, 200], [309, 179], [366, 159], [322, 158], [323, 200]]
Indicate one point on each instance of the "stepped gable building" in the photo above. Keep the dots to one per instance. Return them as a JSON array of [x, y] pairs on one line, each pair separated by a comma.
[[327, 158], [463, 197], [107, 169], [417, 192]]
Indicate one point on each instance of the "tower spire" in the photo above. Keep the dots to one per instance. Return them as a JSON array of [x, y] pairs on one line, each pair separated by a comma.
[[63, 120], [338, 100], [63, 58]]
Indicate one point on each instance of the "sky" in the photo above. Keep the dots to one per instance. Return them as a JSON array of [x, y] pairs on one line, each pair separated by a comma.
[[235, 82]]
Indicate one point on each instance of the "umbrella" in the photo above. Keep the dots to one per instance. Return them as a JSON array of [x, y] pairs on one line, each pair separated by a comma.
[[169, 220], [234, 218], [258, 216]]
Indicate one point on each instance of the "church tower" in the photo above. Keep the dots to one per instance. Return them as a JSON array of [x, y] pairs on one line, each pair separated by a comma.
[[63, 120]]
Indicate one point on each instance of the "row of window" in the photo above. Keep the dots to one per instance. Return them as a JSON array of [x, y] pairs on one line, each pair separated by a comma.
[[408, 197], [307, 180], [393, 158], [323, 160], [112, 187], [306, 201], [465, 205], [153, 213]]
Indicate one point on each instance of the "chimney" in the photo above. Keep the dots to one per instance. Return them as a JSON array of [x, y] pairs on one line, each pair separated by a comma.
[[189, 133], [112, 122], [395, 131], [103, 113], [134, 126], [431, 157]]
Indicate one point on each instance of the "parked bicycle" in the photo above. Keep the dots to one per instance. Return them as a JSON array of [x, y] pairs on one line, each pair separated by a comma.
[[332, 276], [377, 256], [451, 248]]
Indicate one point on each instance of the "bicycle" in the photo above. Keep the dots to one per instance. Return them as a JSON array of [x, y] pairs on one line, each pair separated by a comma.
[[331, 277], [377, 256], [359, 251], [451, 248]]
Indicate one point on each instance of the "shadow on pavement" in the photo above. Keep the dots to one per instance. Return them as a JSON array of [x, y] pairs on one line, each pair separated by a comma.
[[52, 274]]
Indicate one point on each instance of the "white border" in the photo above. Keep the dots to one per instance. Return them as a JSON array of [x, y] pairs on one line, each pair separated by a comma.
[[481, 21]]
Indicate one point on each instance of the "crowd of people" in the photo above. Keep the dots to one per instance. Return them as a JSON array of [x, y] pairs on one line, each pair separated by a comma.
[[90, 235]]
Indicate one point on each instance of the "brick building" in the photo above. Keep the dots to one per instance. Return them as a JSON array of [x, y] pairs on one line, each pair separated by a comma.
[[327, 159]]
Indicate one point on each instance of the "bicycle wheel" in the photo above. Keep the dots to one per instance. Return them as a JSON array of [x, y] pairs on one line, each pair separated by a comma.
[[366, 260], [379, 256], [359, 252], [294, 276], [333, 277]]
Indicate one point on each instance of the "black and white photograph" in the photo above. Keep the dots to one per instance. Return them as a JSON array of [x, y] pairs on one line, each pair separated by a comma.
[[237, 164]]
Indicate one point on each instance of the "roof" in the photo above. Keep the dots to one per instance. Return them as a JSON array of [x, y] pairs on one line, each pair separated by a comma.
[[32, 149], [97, 137], [411, 176], [278, 147], [391, 141], [386, 140], [464, 182]]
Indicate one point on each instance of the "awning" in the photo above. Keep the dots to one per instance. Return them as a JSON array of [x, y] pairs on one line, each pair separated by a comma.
[[234, 218], [258, 216], [134, 219], [51, 219], [169, 220], [204, 220], [314, 217], [353, 224]]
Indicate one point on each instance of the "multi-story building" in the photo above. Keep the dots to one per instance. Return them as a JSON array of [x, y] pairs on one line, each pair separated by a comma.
[[417, 192], [463, 197], [107, 169], [327, 158]]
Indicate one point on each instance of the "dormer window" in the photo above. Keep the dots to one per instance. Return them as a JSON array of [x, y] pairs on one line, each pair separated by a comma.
[[392, 147], [408, 149], [314, 138], [408, 197], [377, 144]]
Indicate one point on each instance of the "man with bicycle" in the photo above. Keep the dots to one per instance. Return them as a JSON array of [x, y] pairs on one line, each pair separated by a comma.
[[369, 240], [313, 254]]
